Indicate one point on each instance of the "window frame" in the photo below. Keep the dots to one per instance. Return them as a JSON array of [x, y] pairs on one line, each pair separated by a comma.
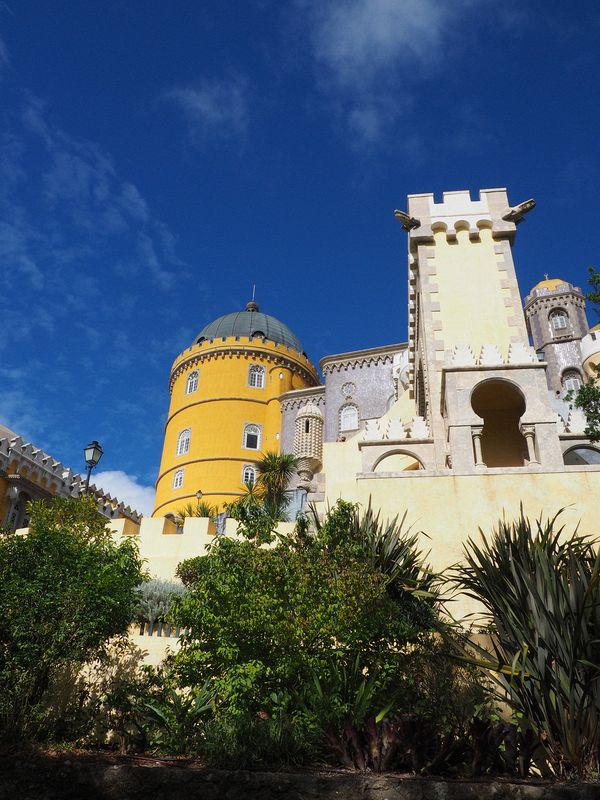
[[244, 469], [247, 432], [257, 370], [178, 477], [556, 315], [183, 442], [192, 382], [571, 374], [343, 408]]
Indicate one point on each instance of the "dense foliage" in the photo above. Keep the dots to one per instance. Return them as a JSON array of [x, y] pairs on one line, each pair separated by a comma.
[[331, 627], [265, 502], [541, 592], [587, 397], [65, 589]]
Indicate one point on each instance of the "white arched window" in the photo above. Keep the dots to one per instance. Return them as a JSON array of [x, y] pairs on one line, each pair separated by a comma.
[[252, 437], [348, 418], [571, 380], [178, 479], [249, 474], [183, 442], [559, 319], [256, 376], [191, 384]]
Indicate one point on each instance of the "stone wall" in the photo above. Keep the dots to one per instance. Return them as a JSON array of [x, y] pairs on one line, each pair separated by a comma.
[[68, 778]]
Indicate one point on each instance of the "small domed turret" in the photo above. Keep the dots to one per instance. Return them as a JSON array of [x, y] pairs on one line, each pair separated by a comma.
[[308, 442]]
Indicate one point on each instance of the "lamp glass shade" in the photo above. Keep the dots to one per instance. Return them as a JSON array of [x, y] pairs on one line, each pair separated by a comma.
[[92, 453]]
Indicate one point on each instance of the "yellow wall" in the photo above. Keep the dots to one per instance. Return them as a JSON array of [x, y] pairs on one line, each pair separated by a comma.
[[451, 508], [472, 308], [217, 414]]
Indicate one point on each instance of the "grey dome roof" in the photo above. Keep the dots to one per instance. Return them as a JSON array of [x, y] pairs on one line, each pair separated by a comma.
[[250, 322]]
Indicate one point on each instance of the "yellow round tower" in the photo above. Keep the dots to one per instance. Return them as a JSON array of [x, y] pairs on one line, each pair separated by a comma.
[[224, 409]]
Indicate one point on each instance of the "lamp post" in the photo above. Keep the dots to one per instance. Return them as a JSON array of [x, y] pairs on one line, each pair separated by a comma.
[[92, 454], [199, 495]]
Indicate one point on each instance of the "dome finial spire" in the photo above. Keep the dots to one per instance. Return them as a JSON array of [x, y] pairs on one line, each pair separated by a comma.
[[252, 305]]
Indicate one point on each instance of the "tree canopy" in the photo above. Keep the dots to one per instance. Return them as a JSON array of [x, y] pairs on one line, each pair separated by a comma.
[[65, 589]]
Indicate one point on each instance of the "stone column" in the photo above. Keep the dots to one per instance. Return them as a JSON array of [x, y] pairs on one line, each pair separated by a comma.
[[476, 433], [528, 432]]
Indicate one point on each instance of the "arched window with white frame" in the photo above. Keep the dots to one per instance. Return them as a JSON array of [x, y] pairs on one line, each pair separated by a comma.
[[252, 437], [348, 418], [183, 442], [256, 376], [191, 385], [571, 380], [559, 319], [249, 474], [178, 479]]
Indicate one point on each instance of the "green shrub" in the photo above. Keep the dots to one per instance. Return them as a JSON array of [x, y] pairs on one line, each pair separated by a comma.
[[65, 589], [541, 593], [155, 599]]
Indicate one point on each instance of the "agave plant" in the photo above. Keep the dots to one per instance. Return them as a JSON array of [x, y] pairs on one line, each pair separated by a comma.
[[391, 546], [541, 593]]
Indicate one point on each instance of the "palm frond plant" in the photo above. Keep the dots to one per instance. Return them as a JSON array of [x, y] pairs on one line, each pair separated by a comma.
[[540, 589], [266, 500], [199, 509]]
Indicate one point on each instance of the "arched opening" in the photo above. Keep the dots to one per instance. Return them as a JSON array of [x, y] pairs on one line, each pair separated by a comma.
[[579, 456], [397, 462], [501, 405]]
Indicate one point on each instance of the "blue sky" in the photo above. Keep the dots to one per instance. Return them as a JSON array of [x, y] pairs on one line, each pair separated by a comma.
[[158, 159]]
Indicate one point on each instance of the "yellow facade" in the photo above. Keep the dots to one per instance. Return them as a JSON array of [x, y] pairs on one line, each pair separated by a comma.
[[217, 414], [474, 306]]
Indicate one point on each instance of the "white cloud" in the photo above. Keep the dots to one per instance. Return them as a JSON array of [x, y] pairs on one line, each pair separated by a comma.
[[357, 40], [368, 54], [213, 107], [127, 489]]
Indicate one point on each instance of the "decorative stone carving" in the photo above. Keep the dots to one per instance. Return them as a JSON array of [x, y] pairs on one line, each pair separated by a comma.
[[395, 430], [308, 442], [418, 429], [490, 356], [463, 356], [520, 353], [373, 431]]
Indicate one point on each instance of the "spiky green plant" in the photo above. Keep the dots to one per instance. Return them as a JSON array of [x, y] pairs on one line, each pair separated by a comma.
[[200, 509], [541, 593], [266, 500], [392, 547]]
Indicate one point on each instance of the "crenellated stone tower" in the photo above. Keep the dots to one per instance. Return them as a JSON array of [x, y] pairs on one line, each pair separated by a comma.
[[556, 319], [472, 373]]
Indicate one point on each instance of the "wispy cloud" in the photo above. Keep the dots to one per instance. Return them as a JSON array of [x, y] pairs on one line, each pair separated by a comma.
[[127, 489], [213, 107], [83, 202], [368, 54], [4, 56]]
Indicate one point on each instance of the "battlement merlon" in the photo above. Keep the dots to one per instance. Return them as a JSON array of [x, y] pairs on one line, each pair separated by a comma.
[[458, 211]]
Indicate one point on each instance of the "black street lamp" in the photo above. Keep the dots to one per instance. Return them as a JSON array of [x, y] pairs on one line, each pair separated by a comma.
[[92, 454]]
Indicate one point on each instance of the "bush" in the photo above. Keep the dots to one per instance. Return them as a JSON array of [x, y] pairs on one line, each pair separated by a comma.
[[155, 599], [65, 589]]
